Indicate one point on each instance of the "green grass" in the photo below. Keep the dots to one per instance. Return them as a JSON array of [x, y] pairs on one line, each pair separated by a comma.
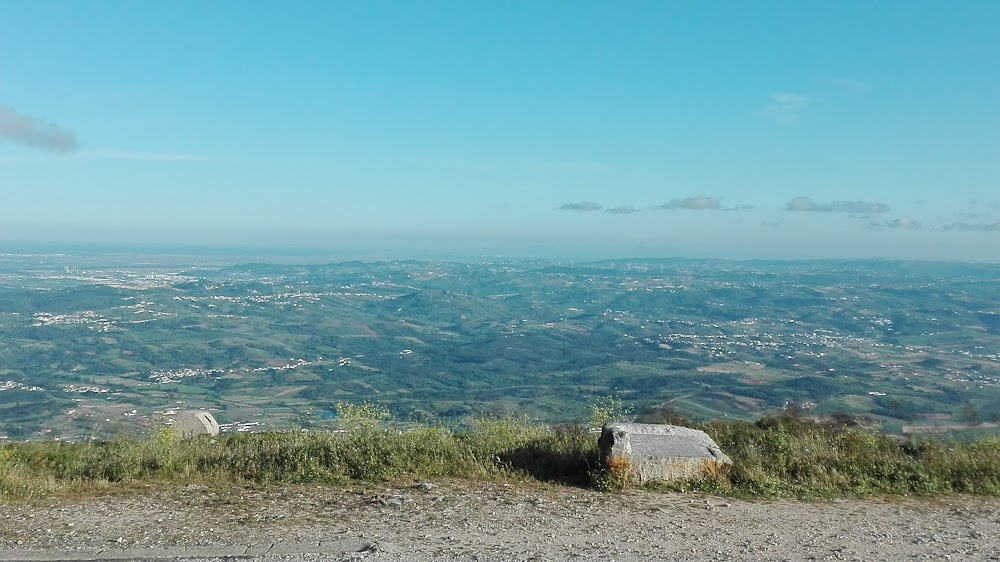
[[500, 449], [774, 457], [795, 457]]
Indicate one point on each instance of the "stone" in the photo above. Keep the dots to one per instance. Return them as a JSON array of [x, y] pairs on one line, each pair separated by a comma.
[[392, 500], [195, 422], [645, 453]]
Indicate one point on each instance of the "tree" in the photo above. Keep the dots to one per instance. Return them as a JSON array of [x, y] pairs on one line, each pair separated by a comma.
[[969, 414]]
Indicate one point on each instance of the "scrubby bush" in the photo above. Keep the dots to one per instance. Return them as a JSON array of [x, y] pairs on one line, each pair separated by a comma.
[[608, 409]]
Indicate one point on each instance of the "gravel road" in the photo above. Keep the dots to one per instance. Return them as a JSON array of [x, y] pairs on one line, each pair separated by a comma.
[[461, 520]]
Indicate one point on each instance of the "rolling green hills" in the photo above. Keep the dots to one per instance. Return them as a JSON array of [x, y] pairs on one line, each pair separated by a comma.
[[90, 349]]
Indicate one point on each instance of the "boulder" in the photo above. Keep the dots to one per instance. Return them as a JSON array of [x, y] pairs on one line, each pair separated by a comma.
[[194, 423], [643, 453]]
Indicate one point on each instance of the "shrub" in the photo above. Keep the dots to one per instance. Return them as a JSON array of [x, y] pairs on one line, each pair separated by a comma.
[[609, 409], [365, 415]]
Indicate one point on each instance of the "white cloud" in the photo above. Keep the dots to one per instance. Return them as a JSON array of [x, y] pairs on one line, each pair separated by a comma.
[[785, 107], [699, 203], [907, 223]]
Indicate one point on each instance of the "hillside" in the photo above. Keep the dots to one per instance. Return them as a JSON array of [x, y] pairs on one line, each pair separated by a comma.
[[93, 349]]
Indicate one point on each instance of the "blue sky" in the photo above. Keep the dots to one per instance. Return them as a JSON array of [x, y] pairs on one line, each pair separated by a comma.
[[726, 129]]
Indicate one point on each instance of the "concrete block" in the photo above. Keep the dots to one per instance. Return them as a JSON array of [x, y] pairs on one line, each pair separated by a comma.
[[658, 452], [195, 422]]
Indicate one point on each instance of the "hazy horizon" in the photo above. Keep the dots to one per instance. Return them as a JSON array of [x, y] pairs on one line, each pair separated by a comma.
[[284, 246]]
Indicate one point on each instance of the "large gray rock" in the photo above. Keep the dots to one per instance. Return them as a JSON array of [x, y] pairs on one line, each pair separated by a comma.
[[657, 453], [194, 423]]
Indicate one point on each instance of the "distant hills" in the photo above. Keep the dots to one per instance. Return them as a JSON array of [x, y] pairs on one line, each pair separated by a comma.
[[902, 342]]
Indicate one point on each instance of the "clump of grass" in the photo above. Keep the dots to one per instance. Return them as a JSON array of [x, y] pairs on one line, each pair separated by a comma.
[[614, 477], [563, 454], [18, 480]]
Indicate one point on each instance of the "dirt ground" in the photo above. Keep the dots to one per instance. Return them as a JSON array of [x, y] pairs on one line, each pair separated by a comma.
[[461, 520]]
